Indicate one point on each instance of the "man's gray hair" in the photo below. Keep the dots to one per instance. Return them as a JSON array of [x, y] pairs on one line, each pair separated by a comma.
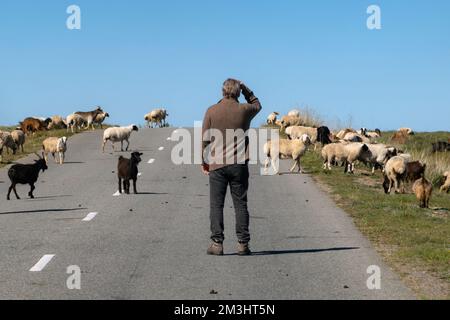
[[231, 88]]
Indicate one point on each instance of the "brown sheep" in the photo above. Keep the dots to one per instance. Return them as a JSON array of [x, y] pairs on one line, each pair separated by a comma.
[[400, 137], [423, 189]]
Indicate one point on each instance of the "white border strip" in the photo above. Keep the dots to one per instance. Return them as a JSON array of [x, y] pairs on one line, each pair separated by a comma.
[[42, 263]]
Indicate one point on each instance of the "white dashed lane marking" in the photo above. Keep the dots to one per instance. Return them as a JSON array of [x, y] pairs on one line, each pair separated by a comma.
[[169, 138], [161, 148], [151, 160], [139, 174], [90, 216], [42, 263], [116, 194]]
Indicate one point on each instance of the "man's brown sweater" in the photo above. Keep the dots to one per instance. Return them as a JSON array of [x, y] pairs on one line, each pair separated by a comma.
[[227, 116]]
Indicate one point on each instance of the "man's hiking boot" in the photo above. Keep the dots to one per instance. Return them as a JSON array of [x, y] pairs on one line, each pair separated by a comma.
[[215, 249], [243, 249]]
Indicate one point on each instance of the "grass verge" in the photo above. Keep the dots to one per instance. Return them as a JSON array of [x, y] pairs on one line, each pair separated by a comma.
[[415, 242], [32, 144]]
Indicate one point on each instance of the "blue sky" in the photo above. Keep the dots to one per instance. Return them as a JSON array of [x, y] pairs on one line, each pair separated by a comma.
[[131, 56]]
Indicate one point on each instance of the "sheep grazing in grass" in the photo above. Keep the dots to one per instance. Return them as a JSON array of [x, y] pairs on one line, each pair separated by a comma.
[[422, 188], [19, 138], [370, 134], [75, 121], [407, 131], [55, 145], [25, 174], [394, 174], [341, 134], [355, 137], [321, 134], [345, 152], [272, 118], [294, 149], [288, 121], [446, 182], [378, 155], [127, 169], [118, 134]]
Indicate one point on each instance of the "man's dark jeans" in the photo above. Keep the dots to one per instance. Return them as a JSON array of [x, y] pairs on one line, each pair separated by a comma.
[[236, 176]]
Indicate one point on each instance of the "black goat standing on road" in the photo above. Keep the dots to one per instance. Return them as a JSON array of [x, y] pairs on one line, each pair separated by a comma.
[[25, 174], [127, 169]]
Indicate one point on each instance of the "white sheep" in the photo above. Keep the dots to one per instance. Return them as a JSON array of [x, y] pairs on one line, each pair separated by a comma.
[[288, 121], [355, 137], [378, 155], [407, 131], [394, 174], [344, 152], [446, 186], [294, 113], [118, 134], [157, 117], [341, 134], [19, 138], [294, 149], [55, 145], [8, 142]]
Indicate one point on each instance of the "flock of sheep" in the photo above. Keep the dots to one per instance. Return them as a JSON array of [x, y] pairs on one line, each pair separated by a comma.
[[57, 146], [343, 148], [347, 147]]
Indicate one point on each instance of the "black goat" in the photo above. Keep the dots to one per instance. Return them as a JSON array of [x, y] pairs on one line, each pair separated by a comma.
[[323, 135], [440, 146], [25, 174], [127, 169]]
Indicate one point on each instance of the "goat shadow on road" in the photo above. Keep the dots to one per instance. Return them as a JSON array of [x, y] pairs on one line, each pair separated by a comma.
[[42, 211], [277, 252]]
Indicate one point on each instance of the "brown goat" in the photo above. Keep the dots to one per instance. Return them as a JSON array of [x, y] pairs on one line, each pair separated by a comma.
[[32, 125], [423, 189], [127, 169], [415, 170]]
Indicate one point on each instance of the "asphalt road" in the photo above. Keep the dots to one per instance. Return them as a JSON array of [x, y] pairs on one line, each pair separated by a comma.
[[153, 245]]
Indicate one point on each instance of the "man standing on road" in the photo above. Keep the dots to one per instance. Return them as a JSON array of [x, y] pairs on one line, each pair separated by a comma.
[[226, 161]]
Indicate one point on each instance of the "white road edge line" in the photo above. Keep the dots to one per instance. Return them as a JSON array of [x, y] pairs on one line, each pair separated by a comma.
[[90, 216], [42, 263], [151, 160]]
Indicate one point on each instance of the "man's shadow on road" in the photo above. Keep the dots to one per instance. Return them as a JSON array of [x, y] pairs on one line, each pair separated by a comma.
[[277, 252]]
